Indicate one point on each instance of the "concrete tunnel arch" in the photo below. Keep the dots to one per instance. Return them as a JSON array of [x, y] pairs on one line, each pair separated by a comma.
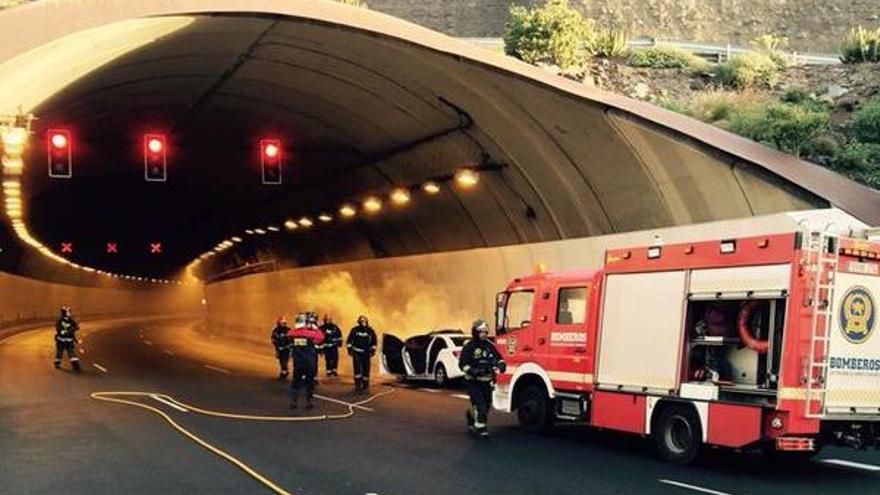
[[395, 103]]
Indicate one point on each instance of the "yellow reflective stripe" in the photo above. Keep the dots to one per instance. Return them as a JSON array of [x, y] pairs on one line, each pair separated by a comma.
[[564, 376]]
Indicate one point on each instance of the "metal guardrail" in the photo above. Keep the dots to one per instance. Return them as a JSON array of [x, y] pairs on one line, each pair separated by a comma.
[[718, 51]]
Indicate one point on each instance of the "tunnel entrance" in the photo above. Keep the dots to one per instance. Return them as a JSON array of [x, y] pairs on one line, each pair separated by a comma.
[[376, 121]]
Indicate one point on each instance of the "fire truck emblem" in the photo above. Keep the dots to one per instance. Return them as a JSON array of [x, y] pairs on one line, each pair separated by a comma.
[[857, 315], [511, 345]]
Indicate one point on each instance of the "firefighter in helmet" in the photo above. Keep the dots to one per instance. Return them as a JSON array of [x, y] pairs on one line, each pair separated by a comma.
[[281, 342], [332, 343], [479, 359], [304, 340], [65, 338], [361, 344]]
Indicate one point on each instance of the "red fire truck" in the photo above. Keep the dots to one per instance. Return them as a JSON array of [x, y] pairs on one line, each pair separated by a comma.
[[764, 342]]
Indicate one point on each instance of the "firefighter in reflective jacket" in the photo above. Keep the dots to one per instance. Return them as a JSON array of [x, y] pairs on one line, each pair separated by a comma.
[[282, 345], [65, 338], [361, 344], [332, 343], [304, 340], [478, 360]]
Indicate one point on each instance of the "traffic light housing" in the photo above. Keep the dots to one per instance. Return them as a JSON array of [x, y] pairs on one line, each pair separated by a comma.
[[60, 153], [270, 160], [155, 158]]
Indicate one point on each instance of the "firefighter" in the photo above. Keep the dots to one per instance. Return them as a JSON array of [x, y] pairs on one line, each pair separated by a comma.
[[332, 343], [282, 345], [361, 344], [304, 339], [65, 338], [478, 360]]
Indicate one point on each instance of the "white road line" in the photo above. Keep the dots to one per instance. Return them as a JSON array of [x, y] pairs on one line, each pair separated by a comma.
[[219, 370], [461, 396], [851, 464], [81, 350], [433, 391], [692, 487], [168, 403], [170, 353], [148, 342], [101, 368], [337, 401]]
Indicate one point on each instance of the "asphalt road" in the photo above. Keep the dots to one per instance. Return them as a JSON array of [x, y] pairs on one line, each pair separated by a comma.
[[55, 437]]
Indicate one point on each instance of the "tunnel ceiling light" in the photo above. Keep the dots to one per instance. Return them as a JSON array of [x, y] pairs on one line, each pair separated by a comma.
[[400, 196], [260, 231], [467, 178], [347, 210], [372, 204], [14, 139], [431, 187], [273, 228], [249, 232], [290, 225], [306, 222], [325, 217], [235, 239]]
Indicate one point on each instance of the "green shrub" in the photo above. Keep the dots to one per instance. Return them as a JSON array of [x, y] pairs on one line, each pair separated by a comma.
[[719, 106], [664, 57], [551, 33], [860, 45], [786, 127], [772, 45], [607, 43], [750, 69], [861, 162], [865, 123]]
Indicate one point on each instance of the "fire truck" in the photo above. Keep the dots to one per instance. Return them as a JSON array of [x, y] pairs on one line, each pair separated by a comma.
[[764, 342]]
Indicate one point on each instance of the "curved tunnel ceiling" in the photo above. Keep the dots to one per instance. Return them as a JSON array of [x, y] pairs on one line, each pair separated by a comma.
[[361, 102]]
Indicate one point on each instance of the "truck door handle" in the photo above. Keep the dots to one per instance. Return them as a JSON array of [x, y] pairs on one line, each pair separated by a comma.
[[527, 348]]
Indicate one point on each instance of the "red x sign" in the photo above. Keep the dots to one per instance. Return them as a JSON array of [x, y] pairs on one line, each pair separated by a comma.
[[155, 247], [66, 247], [111, 247]]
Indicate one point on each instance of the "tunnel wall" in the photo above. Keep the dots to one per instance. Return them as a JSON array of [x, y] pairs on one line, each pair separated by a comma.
[[411, 294], [26, 300]]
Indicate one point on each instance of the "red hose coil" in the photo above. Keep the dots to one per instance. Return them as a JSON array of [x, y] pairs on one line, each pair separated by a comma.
[[745, 333]]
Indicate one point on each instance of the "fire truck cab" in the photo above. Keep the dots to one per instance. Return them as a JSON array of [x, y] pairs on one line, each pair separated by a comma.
[[759, 342]]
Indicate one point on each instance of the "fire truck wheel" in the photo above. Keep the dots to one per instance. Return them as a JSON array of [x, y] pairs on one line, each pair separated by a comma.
[[678, 434], [533, 410]]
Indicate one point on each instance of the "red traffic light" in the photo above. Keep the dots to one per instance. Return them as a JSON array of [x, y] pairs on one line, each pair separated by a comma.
[[155, 161], [271, 150], [60, 155], [155, 145], [270, 160], [59, 139]]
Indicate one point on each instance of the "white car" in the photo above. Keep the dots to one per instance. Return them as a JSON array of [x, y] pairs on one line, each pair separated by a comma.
[[433, 356]]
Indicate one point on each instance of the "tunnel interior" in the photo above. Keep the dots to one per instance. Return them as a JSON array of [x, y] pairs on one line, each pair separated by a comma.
[[359, 115]]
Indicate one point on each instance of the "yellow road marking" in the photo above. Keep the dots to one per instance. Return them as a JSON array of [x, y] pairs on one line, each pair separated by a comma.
[[114, 397]]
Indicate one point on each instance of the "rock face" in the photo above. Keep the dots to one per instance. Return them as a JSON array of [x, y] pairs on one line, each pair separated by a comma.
[[811, 25]]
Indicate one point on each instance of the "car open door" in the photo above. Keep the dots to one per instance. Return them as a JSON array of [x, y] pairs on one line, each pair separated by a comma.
[[392, 359]]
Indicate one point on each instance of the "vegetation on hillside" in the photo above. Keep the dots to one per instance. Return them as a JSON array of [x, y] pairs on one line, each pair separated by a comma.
[[740, 93]]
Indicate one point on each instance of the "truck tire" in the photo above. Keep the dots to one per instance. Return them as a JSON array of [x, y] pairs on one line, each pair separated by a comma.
[[678, 434], [534, 409]]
